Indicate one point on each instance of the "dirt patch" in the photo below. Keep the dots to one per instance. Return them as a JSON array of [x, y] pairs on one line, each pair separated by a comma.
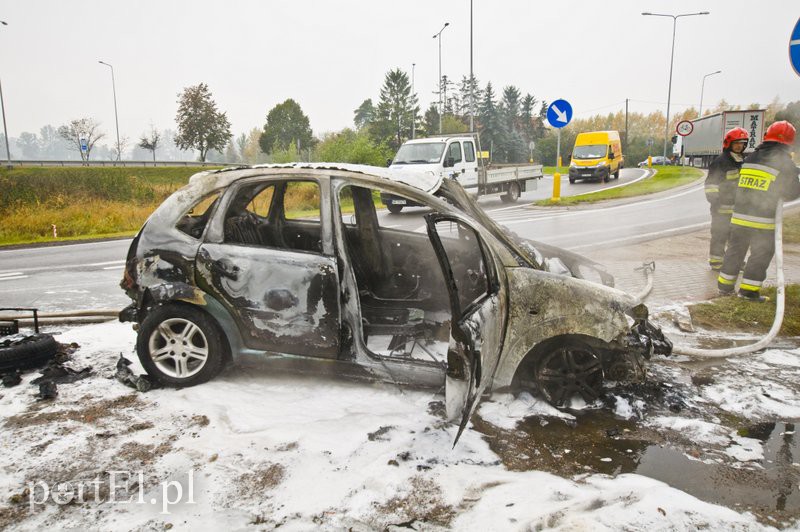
[[422, 504], [263, 478], [90, 414], [144, 454]]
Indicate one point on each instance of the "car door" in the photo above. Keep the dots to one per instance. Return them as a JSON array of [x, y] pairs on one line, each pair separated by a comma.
[[479, 304], [469, 177], [283, 298], [455, 155]]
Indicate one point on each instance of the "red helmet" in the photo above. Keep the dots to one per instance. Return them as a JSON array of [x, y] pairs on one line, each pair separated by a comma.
[[782, 132], [734, 135]]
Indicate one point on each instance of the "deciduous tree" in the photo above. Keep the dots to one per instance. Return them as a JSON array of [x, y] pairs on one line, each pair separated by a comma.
[[200, 125], [286, 124], [150, 141], [82, 128]]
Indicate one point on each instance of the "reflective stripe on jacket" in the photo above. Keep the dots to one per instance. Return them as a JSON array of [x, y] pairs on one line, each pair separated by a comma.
[[767, 176]]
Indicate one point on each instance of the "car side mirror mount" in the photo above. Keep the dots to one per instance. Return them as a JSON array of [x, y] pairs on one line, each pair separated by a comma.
[[449, 162], [611, 156], [388, 162]]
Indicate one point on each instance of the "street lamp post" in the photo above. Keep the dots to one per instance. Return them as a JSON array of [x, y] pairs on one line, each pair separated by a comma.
[[702, 88], [671, 60], [471, 77], [3, 109], [116, 117], [413, 118], [441, 107]]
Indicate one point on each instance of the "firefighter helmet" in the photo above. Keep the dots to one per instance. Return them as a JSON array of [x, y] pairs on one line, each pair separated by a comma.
[[734, 135], [782, 132]]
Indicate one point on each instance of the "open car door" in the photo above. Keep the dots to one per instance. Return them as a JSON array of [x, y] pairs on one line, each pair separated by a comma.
[[479, 304]]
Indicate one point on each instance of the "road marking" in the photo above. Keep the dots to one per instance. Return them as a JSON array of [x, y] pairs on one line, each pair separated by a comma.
[[49, 249], [13, 278], [117, 267], [106, 263], [10, 274]]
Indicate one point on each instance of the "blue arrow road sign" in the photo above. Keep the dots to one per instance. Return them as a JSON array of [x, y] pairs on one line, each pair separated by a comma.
[[559, 113], [794, 48]]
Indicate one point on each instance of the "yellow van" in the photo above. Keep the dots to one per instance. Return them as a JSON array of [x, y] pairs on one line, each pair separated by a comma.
[[596, 155]]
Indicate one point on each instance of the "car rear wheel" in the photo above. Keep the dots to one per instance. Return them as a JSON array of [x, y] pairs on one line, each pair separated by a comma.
[[180, 346], [570, 369], [394, 208]]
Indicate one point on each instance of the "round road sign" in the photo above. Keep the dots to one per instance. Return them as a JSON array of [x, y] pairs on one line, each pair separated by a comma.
[[684, 128]]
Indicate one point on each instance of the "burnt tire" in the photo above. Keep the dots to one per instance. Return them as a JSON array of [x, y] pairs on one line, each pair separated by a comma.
[[181, 346], [569, 369], [394, 209], [30, 352]]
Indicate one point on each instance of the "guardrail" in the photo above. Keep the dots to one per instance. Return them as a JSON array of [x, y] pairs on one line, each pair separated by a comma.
[[112, 163]]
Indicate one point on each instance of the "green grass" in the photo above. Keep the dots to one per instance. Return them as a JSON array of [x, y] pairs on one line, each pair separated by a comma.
[[666, 177], [563, 170], [735, 314], [82, 202], [791, 228]]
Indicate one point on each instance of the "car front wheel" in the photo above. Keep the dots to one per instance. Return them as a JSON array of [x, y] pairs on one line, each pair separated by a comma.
[[569, 369], [180, 346]]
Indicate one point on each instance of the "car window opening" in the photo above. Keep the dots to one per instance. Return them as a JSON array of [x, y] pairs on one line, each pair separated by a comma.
[[405, 307], [283, 215]]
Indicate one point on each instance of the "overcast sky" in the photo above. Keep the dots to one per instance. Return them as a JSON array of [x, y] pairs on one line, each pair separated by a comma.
[[331, 55]]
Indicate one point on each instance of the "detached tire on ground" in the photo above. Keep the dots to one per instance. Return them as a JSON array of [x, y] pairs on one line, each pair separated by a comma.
[[181, 346], [30, 352]]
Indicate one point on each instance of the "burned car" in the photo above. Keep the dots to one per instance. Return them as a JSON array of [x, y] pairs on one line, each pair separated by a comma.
[[295, 263]]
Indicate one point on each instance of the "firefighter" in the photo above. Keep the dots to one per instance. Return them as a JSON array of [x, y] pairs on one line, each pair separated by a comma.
[[723, 176], [768, 176]]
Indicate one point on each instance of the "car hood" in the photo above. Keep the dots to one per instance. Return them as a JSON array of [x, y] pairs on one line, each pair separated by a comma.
[[530, 253]]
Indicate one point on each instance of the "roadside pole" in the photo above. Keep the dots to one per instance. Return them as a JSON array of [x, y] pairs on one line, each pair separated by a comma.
[[556, 174], [558, 115]]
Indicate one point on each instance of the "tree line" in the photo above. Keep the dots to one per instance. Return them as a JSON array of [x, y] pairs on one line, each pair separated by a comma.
[[509, 123]]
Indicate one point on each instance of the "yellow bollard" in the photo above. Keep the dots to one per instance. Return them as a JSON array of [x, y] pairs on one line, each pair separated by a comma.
[[556, 187], [649, 161]]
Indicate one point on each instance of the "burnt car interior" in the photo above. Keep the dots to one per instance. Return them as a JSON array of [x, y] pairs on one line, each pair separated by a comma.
[[257, 215], [405, 307], [195, 221]]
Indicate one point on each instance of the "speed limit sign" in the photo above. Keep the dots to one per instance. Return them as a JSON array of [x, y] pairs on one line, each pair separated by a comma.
[[684, 128]]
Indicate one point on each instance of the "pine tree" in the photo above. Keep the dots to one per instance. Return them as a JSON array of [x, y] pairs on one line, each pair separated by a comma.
[[397, 110]]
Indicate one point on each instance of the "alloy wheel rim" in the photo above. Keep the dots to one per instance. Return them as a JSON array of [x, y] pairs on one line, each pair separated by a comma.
[[178, 348]]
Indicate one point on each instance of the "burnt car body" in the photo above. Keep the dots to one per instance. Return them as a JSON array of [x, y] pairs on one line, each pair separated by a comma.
[[231, 267]]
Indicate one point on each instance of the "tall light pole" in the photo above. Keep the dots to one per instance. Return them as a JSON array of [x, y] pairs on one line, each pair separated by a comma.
[[3, 109], [116, 117], [471, 77], [702, 88], [414, 117], [441, 107], [671, 60]]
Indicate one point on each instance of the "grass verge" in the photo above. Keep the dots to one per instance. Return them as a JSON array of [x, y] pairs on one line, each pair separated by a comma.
[[733, 313], [81, 202], [666, 177], [791, 228]]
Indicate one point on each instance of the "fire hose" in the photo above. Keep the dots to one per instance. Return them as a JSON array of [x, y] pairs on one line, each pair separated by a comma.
[[779, 310]]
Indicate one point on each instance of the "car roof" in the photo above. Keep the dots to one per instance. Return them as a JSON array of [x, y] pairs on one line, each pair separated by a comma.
[[425, 181]]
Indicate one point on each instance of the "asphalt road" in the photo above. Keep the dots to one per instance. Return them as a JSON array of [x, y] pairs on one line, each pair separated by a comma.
[[87, 275]]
